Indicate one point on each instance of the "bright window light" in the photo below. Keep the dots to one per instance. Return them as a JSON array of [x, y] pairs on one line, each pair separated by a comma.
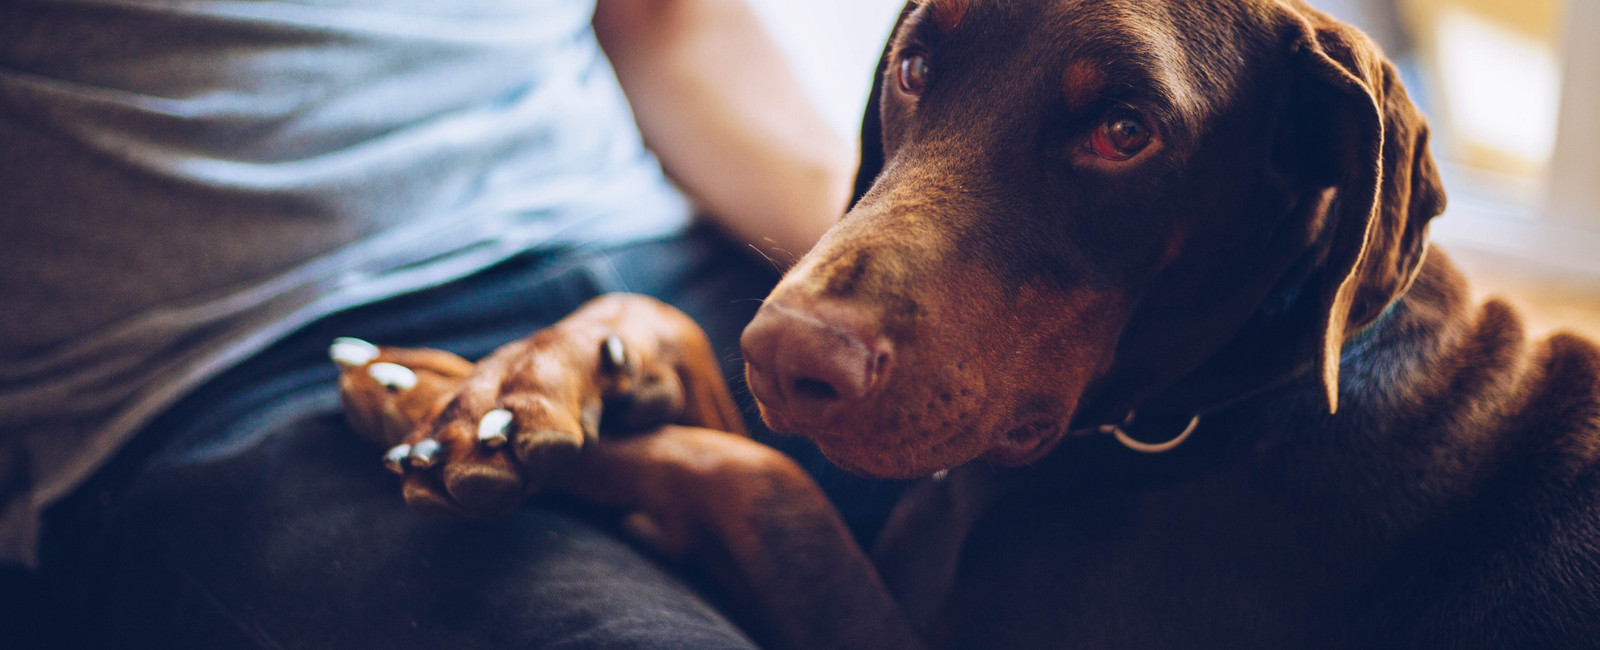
[[1503, 88]]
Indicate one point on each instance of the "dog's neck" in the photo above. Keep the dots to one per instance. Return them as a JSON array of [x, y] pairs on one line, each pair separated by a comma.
[[1277, 345], [1380, 365]]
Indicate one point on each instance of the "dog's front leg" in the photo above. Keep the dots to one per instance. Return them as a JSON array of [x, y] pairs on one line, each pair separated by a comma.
[[748, 507], [702, 489]]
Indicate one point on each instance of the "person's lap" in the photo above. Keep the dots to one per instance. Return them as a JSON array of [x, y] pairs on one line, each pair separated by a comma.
[[249, 515]]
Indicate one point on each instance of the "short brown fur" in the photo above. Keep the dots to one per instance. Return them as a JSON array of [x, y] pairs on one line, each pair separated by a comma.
[[947, 14]]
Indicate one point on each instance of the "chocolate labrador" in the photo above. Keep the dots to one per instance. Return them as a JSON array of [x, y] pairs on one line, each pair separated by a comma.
[[1087, 231]]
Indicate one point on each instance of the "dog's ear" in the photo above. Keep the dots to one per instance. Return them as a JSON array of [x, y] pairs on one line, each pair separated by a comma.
[[872, 154], [1360, 133]]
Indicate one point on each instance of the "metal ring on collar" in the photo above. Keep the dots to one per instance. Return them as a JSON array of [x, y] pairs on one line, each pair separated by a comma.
[[1147, 447]]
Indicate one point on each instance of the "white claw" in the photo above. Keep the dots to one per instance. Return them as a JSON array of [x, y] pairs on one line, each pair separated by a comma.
[[493, 427], [395, 458], [393, 376], [352, 352], [616, 355], [422, 453]]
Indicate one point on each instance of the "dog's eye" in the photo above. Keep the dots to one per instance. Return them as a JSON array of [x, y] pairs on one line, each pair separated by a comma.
[[1120, 138], [913, 73]]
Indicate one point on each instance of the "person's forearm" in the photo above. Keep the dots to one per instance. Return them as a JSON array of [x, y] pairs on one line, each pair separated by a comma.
[[720, 107]]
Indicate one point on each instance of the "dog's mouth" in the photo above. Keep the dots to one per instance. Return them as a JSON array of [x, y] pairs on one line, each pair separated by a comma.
[[912, 456], [1024, 444], [894, 439]]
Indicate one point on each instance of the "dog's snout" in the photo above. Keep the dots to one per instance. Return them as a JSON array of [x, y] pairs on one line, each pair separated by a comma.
[[813, 363]]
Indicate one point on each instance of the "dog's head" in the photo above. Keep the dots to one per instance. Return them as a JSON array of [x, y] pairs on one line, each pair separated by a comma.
[[1070, 209]]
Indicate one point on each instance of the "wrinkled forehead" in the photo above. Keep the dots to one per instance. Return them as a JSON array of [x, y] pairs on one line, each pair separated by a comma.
[[1179, 57]]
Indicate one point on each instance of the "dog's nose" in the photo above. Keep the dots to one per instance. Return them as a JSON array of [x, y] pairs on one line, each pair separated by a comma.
[[810, 363]]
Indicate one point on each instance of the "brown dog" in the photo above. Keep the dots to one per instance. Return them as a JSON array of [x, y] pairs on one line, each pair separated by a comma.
[[1200, 221]]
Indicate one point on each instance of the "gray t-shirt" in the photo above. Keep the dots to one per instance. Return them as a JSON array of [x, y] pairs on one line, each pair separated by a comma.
[[183, 182]]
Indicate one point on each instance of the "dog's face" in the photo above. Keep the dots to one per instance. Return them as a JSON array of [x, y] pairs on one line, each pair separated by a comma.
[[1080, 203]]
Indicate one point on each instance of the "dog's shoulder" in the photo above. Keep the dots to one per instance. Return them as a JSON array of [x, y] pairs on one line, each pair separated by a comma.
[[1515, 558], [1444, 366]]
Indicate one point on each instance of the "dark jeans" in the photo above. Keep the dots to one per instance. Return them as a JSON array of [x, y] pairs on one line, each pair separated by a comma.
[[250, 516]]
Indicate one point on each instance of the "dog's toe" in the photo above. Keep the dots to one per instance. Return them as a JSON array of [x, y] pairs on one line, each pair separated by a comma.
[[550, 455], [485, 488], [424, 497]]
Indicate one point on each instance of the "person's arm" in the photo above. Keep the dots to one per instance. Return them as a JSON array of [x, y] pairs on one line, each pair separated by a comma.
[[720, 107]]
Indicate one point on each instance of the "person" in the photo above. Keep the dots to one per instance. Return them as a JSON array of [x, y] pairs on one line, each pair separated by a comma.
[[199, 196]]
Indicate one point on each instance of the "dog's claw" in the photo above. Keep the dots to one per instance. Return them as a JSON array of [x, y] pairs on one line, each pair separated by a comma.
[[350, 352], [613, 353], [395, 458], [422, 453], [492, 429], [394, 377]]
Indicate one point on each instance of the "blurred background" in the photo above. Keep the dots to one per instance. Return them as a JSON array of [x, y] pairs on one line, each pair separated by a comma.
[[1511, 88]]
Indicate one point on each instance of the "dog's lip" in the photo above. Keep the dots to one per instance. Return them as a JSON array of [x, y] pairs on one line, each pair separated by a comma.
[[1023, 444]]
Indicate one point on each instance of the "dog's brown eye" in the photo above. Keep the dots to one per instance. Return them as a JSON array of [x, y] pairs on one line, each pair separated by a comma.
[[1120, 138], [913, 73]]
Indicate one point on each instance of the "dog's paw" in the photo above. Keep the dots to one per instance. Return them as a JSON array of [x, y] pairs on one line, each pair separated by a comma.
[[519, 422], [388, 393]]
